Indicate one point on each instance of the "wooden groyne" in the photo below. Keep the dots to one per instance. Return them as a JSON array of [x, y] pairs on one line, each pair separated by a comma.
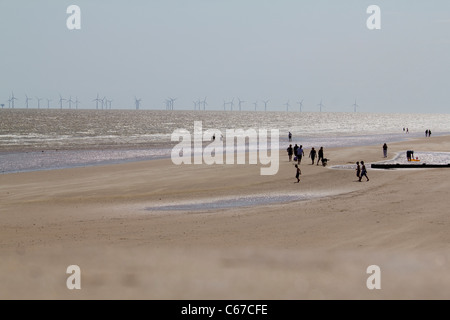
[[407, 166]]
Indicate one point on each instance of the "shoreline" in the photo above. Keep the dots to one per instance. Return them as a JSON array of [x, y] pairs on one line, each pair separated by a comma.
[[167, 151], [317, 248]]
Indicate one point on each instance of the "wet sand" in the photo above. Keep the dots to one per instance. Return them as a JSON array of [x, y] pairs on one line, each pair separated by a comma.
[[104, 220]]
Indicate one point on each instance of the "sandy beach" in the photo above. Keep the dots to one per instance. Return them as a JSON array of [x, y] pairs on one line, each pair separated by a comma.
[[104, 219]]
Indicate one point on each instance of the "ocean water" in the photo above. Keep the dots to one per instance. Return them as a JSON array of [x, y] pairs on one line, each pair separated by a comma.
[[42, 139]]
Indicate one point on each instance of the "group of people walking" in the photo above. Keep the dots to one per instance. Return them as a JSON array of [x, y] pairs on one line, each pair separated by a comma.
[[428, 133], [361, 171], [298, 153]]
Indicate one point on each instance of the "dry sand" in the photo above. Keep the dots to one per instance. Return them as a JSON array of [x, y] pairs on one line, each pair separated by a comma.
[[98, 218]]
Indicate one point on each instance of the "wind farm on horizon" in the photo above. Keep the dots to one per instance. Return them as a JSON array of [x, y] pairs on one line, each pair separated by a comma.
[[200, 104]]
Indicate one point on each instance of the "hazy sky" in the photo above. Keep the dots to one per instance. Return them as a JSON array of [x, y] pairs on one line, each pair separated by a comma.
[[249, 49]]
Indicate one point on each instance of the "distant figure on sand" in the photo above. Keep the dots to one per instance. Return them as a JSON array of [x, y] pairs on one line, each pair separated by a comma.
[[363, 171], [358, 170], [298, 173], [312, 154], [426, 133], [385, 147], [290, 136], [320, 155], [290, 152], [300, 154], [429, 133]]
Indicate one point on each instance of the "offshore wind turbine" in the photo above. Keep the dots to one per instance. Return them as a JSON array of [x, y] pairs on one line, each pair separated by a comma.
[[265, 104], [355, 106], [108, 104], [39, 102], [287, 106], [9, 103], [204, 104], [172, 100], [12, 99], [320, 105], [27, 99], [300, 104], [195, 105], [103, 101], [70, 102], [240, 103], [231, 103], [48, 103], [96, 101], [61, 99], [77, 102], [137, 102], [256, 104]]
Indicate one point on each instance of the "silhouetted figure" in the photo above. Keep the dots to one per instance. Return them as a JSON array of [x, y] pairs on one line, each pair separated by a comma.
[[300, 154], [290, 136], [295, 150], [312, 154], [385, 147], [290, 152], [426, 133], [429, 133], [358, 170], [298, 173], [363, 171], [320, 155]]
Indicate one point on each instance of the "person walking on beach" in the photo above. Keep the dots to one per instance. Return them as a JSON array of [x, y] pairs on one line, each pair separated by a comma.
[[358, 170], [300, 154], [426, 133], [312, 154], [298, 173], [290, 152], [295, 149], [429, 133], [363, 171], [290, 136], [385, 147], [320, 155]]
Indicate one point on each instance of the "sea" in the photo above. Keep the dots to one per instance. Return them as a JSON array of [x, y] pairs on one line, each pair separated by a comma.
[[47, 139]]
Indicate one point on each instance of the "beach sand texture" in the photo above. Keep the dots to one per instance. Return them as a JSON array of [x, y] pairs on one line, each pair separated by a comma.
[[99, 218]]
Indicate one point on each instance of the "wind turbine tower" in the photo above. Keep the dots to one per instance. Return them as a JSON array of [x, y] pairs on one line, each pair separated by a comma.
[[12, 99], [287, 106], [48, 103], [231, 103], [61, 99], [39, 102], [300, 104], [70, 102], [137, 102], [355, 106], [172, 100], [265, 104], [27, 99], [240, 103], [256, 104], [77, 102], [320, 105], [204, 104], [96, 101]]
